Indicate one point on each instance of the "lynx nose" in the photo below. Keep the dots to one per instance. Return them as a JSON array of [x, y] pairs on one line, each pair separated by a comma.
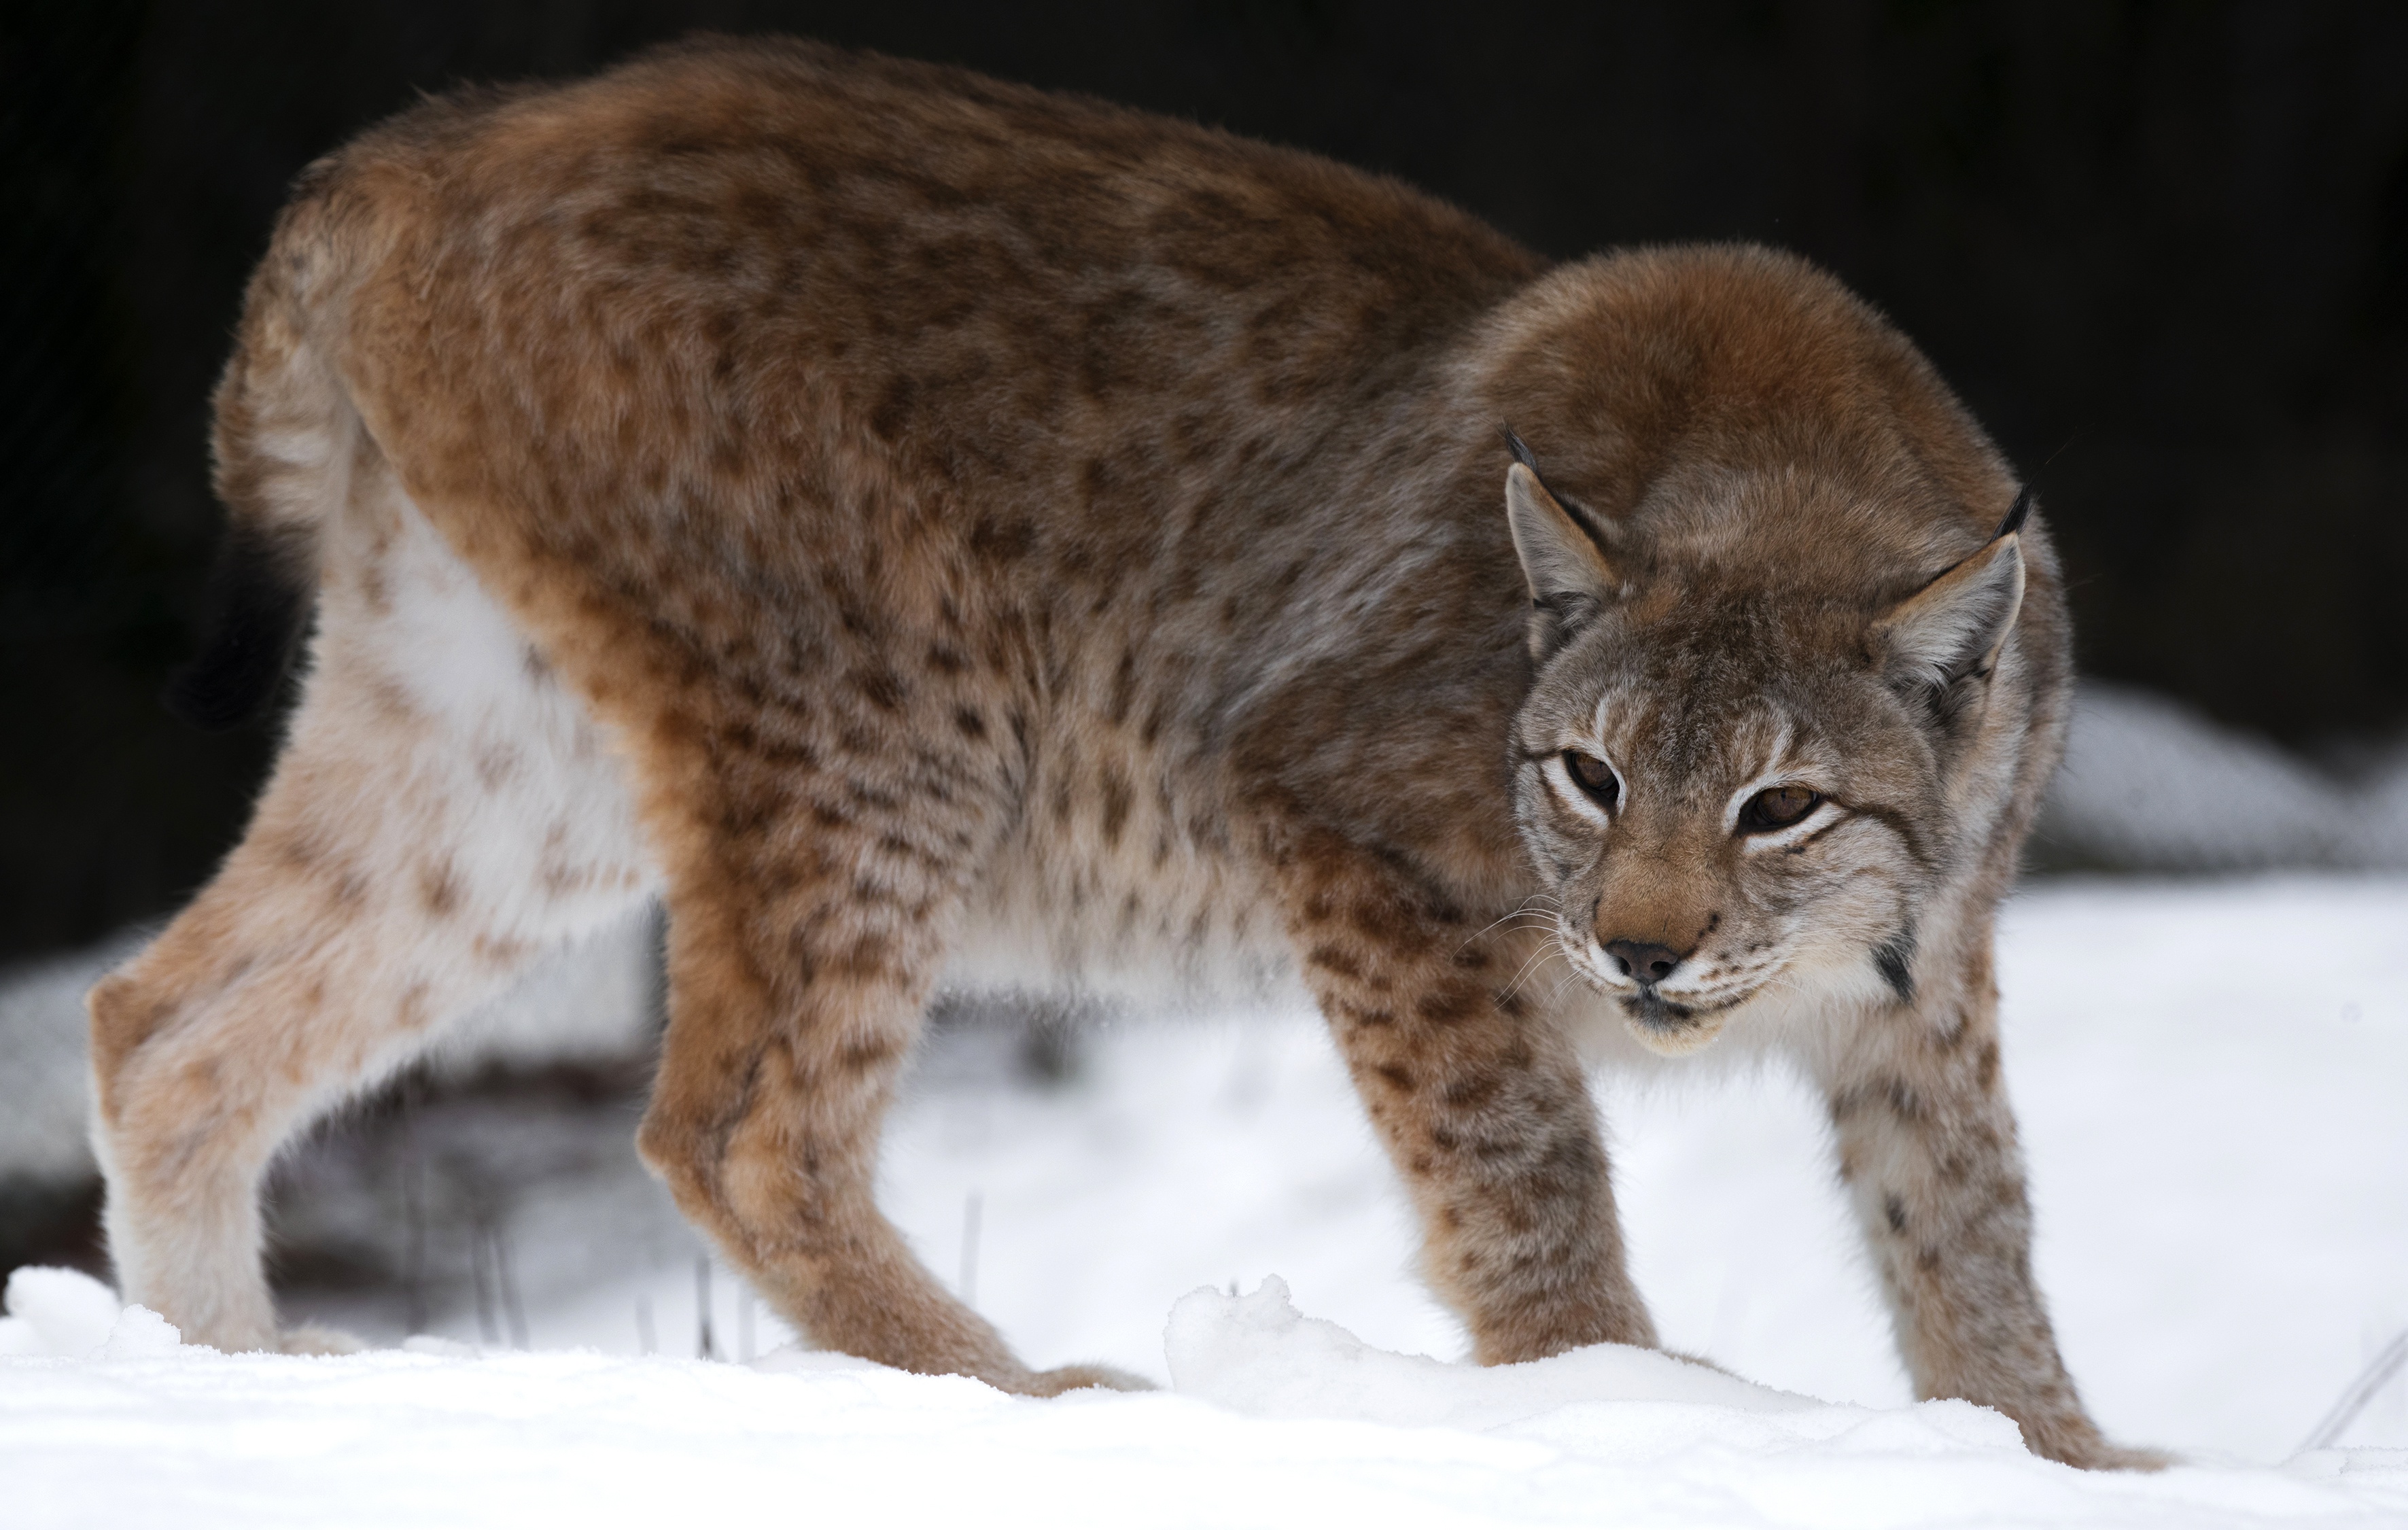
[[1643, 960]]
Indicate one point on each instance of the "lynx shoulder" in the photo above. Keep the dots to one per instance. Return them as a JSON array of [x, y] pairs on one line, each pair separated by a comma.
[[909, 522]]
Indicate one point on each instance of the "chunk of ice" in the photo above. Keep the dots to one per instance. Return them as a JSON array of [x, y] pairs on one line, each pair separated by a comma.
[[58, 1313]]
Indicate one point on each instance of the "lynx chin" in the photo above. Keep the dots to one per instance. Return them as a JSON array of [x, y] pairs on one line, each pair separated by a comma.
[[922, 529]]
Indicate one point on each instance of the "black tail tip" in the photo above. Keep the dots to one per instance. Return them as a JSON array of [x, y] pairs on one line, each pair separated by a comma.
[[258, 607]]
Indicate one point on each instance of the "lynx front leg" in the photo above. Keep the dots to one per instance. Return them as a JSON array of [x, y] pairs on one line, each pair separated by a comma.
[[1928, 1150], [1478, 1100]]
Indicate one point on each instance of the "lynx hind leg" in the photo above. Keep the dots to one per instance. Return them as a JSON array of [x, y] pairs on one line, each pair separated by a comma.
[[441, 814]]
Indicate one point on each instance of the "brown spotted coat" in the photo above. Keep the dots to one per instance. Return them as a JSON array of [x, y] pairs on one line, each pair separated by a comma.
[[914, 524]]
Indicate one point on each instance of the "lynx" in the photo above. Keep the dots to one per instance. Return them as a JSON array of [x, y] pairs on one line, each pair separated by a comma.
[[924, 529]]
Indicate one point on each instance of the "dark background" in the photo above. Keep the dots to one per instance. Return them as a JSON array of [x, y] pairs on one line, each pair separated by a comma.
[[2162, 248]]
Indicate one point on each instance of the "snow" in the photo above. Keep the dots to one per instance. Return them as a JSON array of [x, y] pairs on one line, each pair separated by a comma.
[[1259, 1354], [2209, 1078], [58, 1313], [1277, 1418]]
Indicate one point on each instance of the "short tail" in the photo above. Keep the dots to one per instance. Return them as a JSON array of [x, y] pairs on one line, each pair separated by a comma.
[[284, 435]]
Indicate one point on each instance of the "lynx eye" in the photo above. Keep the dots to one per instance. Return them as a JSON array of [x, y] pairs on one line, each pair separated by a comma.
[[1593, 775], [1777, 808]]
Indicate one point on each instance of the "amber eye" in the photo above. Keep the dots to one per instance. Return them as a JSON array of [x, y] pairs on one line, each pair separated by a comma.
[[1594, 776], [1777, 808]]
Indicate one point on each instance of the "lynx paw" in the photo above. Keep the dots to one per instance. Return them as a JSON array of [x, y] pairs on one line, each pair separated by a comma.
[[1710, 1364], [1053, 1383], [2082, 1445], [312, 1340], [2129, 1458]]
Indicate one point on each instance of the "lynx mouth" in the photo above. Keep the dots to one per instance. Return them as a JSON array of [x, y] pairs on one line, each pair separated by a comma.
[[1670, 1028], [1656, 1012], [1667, 1027]]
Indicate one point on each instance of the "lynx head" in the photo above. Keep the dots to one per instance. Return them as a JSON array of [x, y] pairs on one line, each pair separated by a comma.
[[1739, 775]]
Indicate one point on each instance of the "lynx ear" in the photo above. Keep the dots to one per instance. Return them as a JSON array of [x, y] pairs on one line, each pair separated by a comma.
[[1953, 628], [1563, 559]]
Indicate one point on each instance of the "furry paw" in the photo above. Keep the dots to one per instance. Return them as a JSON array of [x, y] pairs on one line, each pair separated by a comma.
[[1053, 1383], [1710, 1364], [312, 1340], [2079, 1443], [2129, 1458]]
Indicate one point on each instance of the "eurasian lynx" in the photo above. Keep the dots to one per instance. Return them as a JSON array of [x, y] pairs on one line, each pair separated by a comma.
[[908, 522]]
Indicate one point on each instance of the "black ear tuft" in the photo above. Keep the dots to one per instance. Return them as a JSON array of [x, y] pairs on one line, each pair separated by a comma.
[[1589, 521], [1521, 452], [1952, 629], [2015, 514]]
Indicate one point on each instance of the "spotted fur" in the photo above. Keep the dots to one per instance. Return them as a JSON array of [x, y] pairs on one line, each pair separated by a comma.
[[913, 524]]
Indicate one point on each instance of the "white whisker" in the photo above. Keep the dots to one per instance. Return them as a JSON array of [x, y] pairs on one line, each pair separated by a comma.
[[1522, 910]]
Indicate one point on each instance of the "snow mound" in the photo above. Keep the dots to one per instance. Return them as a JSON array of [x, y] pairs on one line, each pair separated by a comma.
[[65, 1313], [140, 1334], [1259, 1354]]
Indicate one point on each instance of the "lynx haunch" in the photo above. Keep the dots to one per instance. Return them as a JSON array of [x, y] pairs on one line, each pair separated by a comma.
[[915, 525]]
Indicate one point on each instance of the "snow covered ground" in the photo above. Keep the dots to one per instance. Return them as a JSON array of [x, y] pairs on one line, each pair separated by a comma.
[[2211, 1078], [1276, 1420]]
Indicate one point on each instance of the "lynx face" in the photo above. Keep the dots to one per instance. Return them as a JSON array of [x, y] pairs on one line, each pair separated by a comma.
[[1706, 839], [1732, 791]]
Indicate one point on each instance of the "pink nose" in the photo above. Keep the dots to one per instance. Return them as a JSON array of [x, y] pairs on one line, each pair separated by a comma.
[[1643, 960]]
